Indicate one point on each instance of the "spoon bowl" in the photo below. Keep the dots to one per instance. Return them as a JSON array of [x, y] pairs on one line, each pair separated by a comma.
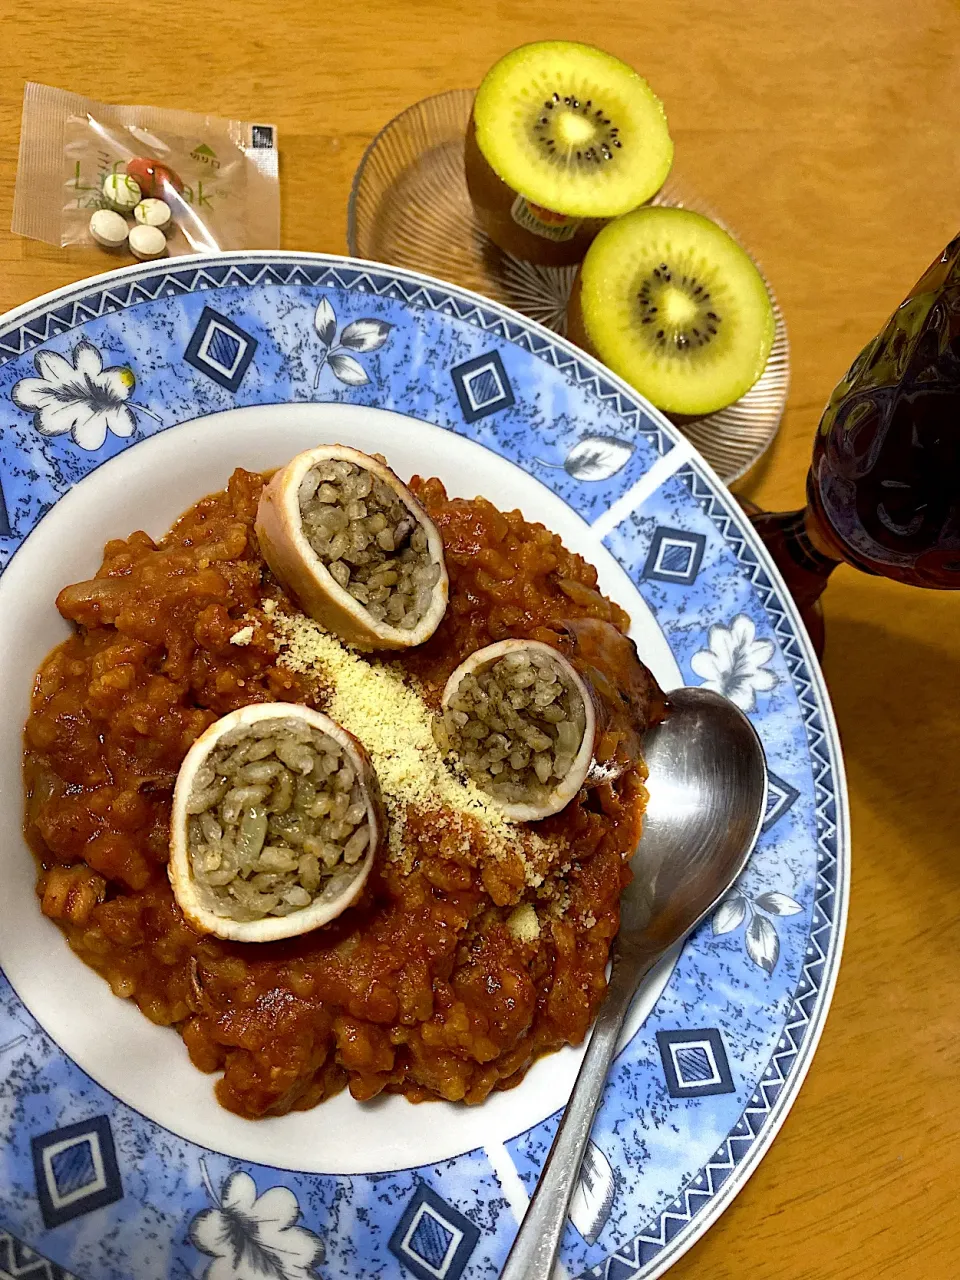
[[708, 791], [708, 794]]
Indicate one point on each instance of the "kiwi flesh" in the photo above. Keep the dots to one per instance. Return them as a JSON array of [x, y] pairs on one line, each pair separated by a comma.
[[669, 301], [574, 134]]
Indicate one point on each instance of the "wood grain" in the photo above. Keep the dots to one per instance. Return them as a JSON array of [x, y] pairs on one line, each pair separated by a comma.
[[827, 134]]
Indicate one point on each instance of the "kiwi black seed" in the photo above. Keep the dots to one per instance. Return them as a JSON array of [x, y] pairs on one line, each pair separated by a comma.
[[670, 301], [564, 119]]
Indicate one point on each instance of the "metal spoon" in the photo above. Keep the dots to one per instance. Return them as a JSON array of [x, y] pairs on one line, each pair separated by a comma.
[[708, 790]]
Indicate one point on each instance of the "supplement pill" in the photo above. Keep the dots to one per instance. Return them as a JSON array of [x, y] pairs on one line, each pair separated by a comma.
[[152, 177], [121, 192], [147, 242], [108, 229], [154, 213]]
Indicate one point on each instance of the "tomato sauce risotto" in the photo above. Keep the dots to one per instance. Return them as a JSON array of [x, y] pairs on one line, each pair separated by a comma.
[[477, 944]]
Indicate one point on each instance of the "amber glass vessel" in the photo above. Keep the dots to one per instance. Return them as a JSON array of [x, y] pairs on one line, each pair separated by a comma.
[[883, 491]]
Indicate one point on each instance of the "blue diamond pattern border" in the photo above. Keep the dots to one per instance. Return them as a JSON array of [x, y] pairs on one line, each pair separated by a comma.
[[675, 556], [219, 348], [433, 1240], [76, 1170], [695, 1063], [31, 332], [482, 386], [637, 1257]]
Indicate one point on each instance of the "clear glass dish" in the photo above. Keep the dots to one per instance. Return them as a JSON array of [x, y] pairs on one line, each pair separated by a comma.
[[409, 207]]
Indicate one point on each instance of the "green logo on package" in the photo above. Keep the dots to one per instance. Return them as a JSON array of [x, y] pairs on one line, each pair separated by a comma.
[[205, 155]]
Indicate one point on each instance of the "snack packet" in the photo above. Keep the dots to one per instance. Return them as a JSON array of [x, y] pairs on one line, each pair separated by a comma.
[[218, 177]]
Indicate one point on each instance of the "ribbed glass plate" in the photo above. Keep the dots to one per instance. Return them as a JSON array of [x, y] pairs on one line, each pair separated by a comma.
[[409, 207]]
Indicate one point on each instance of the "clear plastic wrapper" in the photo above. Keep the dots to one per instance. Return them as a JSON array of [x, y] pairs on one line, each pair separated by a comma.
[[218, 177]]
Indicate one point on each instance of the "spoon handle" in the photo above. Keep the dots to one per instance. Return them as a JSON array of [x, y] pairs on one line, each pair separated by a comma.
[[538, 1240]]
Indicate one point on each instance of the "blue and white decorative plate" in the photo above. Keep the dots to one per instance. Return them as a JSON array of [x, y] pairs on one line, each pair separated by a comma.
[[124, 399]]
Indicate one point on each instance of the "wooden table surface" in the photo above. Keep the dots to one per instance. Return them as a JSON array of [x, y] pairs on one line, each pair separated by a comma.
[[827, 134]]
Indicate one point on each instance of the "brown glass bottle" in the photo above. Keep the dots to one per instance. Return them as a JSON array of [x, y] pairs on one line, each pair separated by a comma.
[[883, 490], [885, 479]]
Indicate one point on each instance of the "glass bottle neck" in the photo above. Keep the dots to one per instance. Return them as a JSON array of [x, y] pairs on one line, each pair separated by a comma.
[[804, 552]]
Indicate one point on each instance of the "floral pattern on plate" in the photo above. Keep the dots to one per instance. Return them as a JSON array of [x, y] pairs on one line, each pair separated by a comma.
[[79, 397]]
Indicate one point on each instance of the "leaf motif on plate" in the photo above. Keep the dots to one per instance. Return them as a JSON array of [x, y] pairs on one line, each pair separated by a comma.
[[730, 914], [348, 370], [778, 904], [253, 1237], [366, 334], [594, 1194], [763, 944], [597, 458], [325, 322]]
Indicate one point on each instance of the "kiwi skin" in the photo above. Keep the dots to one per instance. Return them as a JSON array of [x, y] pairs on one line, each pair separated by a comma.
[[577, 334], [492, 201], [576, 329]]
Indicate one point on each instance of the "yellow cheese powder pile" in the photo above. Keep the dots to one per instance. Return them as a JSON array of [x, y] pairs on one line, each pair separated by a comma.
[[394, 723]]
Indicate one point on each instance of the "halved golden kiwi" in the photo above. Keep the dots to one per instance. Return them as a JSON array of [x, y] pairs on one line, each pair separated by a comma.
[[563, 136], [670, 301]]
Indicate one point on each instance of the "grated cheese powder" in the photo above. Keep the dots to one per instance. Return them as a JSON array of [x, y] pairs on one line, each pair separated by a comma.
[[375, 703], [524, 923]]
